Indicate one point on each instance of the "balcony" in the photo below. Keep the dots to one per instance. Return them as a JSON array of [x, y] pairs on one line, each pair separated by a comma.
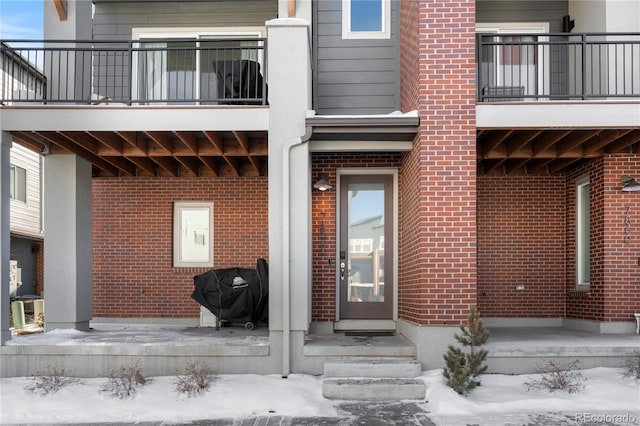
[[161, 107], [558, 66], [221, 71], [549, 101]]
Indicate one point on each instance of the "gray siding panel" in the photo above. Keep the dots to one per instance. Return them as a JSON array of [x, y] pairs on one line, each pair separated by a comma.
[[354, 76], [116, 20], [550, 11]]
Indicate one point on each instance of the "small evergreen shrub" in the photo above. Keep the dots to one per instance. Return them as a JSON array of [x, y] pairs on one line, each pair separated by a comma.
[[463, 369]]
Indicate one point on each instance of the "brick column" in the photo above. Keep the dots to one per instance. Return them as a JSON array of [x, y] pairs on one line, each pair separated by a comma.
[[437, 282]]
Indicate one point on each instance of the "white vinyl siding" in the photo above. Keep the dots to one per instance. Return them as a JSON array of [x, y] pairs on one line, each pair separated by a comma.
[[26, 215]]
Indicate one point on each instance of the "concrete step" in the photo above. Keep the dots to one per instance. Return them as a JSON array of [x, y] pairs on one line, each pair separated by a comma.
[[373, 368], [373, 389]]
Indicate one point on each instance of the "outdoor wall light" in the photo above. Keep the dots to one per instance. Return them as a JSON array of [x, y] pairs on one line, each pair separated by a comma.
[[629, 184], [323, 183]]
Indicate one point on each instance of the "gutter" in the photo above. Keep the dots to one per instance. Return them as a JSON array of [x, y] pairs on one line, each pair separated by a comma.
[[286, 250]]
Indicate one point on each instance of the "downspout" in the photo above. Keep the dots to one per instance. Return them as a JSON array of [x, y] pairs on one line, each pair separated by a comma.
[[286, 250]]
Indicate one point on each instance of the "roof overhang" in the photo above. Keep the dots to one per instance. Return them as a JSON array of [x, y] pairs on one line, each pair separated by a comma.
[[363, 133], [551, 137]]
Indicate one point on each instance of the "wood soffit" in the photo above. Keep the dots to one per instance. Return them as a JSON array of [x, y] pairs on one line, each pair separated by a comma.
[[245, 153], [172, 154], [548, 151]]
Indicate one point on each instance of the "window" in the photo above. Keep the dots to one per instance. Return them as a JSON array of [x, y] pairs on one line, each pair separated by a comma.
[[360, 245], [188, 68], [192, 233], [514, 64], [366, 19], [18, 183], [583, 233]]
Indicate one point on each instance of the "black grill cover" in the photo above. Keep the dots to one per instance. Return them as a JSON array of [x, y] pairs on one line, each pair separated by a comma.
[[235, 294]]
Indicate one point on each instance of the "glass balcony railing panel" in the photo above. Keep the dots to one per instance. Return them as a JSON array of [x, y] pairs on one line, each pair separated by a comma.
[[141, 72]]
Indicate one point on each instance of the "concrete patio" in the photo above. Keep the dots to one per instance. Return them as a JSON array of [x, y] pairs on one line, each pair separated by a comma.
[[164, 349]]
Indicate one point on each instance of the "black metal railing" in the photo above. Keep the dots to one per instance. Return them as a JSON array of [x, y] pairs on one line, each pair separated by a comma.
[[556, 66], [216, 71]]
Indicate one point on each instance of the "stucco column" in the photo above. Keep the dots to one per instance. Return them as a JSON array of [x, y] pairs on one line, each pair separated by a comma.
[[5, 147], [289, 180], [67, 227]]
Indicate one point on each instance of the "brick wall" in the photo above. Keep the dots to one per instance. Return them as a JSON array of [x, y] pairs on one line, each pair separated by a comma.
[[521, 241], [622, 219], [323, 223], [587, 305], [437, 282], [133, 273], [613, 293]]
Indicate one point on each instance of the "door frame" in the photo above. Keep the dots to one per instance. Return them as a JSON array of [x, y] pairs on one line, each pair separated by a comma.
[[368, 324]]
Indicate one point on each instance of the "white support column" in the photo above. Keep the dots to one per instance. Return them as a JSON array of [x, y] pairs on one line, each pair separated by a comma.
[[5, 240], [67, 256], [289, 182]]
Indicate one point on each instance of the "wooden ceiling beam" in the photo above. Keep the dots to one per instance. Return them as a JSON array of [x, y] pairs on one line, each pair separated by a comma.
[[596, 144], [137, 143], [27, 140], [520, 140], [242, 139], [547, 140], [114, 144], [167, 163], [86, 141], [162, 140], [574, 140], [189, 140], [61, 8], [62, 141], [216, 142], [624, 142], [491, 140], [145, 164]]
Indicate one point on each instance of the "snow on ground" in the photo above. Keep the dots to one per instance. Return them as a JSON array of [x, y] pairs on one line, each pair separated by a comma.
[[244, 395]]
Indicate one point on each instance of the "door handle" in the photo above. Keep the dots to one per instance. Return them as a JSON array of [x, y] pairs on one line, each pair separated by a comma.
[[342, 266]]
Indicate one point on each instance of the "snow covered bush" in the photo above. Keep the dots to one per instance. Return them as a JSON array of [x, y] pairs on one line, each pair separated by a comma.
[[632, 366], [462, 369], [195, 380], [124, 381], [48, 381], [558, 377]]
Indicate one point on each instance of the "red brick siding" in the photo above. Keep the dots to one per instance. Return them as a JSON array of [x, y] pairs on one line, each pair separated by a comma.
[[587, 305], [621, 269], [323, 223], [437, 283], [133, 273], [613, 293], [521, 240]]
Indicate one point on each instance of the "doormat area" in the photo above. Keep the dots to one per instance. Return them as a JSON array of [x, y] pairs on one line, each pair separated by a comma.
[[370, 333]]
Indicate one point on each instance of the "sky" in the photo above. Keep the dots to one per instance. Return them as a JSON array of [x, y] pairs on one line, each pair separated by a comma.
[[21, 19]]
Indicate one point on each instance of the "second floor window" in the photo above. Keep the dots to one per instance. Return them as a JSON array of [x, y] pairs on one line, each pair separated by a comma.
[[18, 183], [366, 19], [205, 67]]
